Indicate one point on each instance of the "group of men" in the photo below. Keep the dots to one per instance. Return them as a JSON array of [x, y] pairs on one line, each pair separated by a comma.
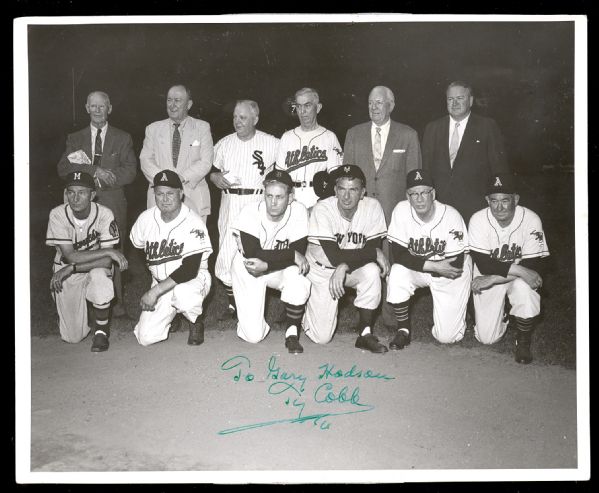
[[304, 216]]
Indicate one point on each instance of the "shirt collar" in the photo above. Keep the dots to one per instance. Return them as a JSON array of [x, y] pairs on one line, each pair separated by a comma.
[[94, 129], [384, 127], [461, 122]]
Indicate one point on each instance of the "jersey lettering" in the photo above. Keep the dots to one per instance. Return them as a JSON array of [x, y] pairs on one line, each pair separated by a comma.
[[352, 237], [298, 159], [507, 254], [281, 245], [259, 162], [163, 251], [91, 238], [426, 247]]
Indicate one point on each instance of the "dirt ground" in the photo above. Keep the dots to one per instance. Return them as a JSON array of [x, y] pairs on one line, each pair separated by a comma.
[[229, 405]]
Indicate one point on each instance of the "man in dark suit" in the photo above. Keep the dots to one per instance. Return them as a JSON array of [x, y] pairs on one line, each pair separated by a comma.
[[462, 151], [386, 151], [106, 153]]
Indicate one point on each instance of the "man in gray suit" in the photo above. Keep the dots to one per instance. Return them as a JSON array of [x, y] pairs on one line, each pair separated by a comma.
[[386, 151], [182, 144]]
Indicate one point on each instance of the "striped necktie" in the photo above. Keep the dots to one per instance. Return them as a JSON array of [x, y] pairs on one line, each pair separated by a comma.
[[378, 151], [98, 148], [176, 144]]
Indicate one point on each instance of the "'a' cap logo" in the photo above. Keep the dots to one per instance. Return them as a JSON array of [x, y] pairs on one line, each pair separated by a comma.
[[164, 178], [497, 182], [77, 176], [418, 176], [346, 169]]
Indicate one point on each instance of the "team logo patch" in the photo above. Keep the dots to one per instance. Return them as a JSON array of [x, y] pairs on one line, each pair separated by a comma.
[[77, 176], [164, 178], [497, 182], [198, 232], [538, 235], [418, 176], [457, 235], [113, 229], [259, 162], [338, 151], [346, 169]]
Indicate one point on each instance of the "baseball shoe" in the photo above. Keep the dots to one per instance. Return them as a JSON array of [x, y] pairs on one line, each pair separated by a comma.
[[100, 342], [196, 333], [175, 323], [400, 341], [228, 313], [370, 343], [293, 345], [523, 353]]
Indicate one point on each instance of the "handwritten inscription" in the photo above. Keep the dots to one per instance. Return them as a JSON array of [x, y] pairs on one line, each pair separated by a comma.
[[338, 395]]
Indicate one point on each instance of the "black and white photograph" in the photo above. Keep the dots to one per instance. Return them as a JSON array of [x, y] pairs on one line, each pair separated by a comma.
[[301, 248]]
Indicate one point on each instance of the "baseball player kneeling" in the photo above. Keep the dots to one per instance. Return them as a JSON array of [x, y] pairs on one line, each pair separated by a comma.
[[344, 249], [83, 233], [508, 244], [273, 235], [177, 247], [429, 243]]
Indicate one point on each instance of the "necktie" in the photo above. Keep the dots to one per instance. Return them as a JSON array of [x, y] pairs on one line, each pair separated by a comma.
[[98, 148], [378, 152], [176, 144], [454, 144]]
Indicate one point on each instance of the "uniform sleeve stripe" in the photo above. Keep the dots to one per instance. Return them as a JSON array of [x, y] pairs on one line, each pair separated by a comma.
[[480, 250], [61, 240], [455, 252], [377, 235], [544, 253], [315, 237]]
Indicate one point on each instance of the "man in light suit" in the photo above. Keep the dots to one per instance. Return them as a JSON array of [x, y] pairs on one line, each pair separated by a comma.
[[462, 151], [105, 153], [386, 151], [182, 144]]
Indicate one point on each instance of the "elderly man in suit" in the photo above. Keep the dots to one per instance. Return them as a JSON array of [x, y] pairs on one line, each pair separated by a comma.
[[462, 151], [386, 151], [182, 144], [105, 153]]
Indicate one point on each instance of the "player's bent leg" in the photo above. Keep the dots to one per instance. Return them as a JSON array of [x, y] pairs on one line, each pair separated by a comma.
[[367, 282], [488, 313], [295, 288], [99, 288], [250, 294], [401, 284], [153, 326], [188, 297], [525, 301], [320, 318], [72, 309]]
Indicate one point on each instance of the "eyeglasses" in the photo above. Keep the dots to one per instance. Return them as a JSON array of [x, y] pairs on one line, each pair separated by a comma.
[[305, 106], [424, 194]]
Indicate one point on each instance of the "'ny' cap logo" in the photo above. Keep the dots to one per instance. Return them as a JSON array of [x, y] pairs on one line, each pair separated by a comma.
[[418, 176], [497, 182], [346, 169], [164, 178], [77, 176], [279, 174]]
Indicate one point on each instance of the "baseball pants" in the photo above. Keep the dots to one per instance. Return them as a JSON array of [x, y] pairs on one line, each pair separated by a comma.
[[450, 297], [320, 319], [489, 307], [230, 207], [250, 295], [185, 298], [94, 286]]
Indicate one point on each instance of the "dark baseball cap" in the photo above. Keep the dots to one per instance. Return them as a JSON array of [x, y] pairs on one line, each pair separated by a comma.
[[280, 176], [323, 184], [350, 171], [502, 183], [167, 178], [419, 178], [80, 178]]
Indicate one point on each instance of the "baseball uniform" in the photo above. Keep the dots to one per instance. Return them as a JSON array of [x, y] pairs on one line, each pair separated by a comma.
[[247, 162], [98, 230], [327, 224], [165, 246], [250, 291], [444, 236], [302, 154], [522, 239]]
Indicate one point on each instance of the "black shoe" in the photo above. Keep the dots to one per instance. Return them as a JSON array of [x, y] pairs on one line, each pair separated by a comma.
[[100, 342], [293, 345], [370, 343], [175, 324], [229, 313], [196, 333], [523, 353], [401, 340]]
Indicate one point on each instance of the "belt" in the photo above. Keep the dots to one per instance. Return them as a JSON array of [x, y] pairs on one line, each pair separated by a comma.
[[300, 184], [243, 191], [324, 266]]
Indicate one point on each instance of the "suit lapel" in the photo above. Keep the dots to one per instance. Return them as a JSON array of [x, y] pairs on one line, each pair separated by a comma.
[[86, 145], [108, 142], [186, 139], [392, 139], [466, 140], [165, 142]]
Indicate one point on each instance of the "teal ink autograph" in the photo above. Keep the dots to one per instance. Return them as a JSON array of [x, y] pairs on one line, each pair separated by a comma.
[[292, 388]]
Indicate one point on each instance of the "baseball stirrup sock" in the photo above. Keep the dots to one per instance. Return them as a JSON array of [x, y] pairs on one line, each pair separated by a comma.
[[524, 324], [402, 315], [229, 291], [291, 331], [294, 313], [366, 317]]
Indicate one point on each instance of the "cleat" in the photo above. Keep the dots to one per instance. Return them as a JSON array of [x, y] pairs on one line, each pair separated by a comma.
[[100, 342], [370, 343], [401, 340], [196, 333], [293, 345]]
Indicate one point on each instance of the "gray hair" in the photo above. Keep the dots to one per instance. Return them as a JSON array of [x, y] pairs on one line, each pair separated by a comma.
[[388, 93], [185, 88], [460, 83], [99, 93], [308, 90], [252, 104]]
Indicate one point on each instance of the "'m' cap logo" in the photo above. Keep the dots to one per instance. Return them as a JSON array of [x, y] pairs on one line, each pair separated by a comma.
[[497, 182], [346, 169], [279, 174], [77, 176], [164, 178], [418, 176]]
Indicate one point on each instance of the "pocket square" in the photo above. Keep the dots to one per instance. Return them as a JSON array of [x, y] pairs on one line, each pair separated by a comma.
[[477, 141], [399, 151], [195, 143], [79, 157]]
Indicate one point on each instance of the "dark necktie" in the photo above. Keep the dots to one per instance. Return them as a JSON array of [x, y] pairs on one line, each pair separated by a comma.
[[176, 144], [98, 148]]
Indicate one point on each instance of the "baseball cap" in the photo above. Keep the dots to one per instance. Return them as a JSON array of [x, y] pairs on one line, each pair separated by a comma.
[[80, 178], [280, 176], [419, 178], [350, 171], [323, 184], [501, 183], [167, 178]]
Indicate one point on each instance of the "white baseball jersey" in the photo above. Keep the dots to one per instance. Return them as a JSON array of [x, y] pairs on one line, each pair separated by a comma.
[[249, 160], [98, 230], [273, 235], [444, 236], [167, 244], [302, 154], [327, 223], [523, 238]]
